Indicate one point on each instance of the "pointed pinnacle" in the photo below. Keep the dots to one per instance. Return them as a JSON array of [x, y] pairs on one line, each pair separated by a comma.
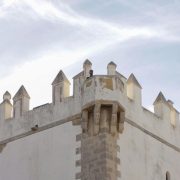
[[132, 79]]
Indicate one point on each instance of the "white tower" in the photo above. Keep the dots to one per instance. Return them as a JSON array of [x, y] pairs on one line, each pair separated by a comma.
[[87, 67], [60, 87], [21, 102], [6, 106], [134, 89], [111, 68]]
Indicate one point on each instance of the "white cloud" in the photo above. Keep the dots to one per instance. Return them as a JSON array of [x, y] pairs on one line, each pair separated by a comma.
[[63, 13]]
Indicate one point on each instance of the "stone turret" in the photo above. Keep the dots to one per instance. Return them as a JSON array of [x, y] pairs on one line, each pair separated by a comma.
[[21, 102], [111, 68], [160, 106], [60, 87], [101, 124], [6, 106], [134, 89], [7, 96], [87, 67]]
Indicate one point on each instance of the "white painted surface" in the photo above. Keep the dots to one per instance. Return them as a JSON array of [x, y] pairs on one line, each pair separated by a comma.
[[144, 158], [48, 155]]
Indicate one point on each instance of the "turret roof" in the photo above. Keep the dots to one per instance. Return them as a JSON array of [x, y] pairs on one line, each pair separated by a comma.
[[160, 98], [7, 98], [7, 94], [132, 79], [61, 77], [112, 63], [21, 93], [87, 62]]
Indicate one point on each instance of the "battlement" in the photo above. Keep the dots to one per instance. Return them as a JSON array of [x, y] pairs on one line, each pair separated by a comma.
[[17, 120]]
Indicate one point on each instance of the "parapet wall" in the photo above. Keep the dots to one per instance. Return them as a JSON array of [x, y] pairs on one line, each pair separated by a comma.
[[17, 120]]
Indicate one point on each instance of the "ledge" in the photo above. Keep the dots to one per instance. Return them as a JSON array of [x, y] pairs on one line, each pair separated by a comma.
[[39, 129]]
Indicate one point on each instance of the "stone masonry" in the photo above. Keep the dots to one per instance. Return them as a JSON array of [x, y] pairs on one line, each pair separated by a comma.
[[101, 124]]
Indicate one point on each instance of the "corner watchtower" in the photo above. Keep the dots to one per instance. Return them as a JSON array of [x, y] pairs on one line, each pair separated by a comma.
[[21, 102], [134, 89], [111, 68], [6, 106], [60, 87], [102, 120], [87, 67]]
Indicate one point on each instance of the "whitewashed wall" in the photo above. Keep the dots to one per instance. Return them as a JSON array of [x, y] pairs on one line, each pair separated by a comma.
[[144, 158], [48, 155]]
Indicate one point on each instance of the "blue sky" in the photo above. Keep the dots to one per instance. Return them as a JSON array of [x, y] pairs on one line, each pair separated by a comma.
[[38, 38]]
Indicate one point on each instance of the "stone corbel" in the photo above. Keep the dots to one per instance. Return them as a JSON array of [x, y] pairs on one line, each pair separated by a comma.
[[2, 146], [113, 123], [103, 116], [121, 122], [97, 109], [84, 123]]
